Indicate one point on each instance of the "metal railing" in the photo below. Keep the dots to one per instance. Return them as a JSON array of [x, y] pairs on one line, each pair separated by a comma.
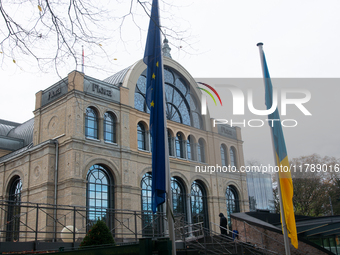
[[33, 222], [211, 242], [25, 222]]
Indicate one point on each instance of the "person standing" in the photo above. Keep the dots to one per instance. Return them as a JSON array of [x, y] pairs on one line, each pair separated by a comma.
[[223, 224]]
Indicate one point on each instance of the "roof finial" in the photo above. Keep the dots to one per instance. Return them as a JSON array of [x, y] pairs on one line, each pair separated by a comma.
[[166, 49]]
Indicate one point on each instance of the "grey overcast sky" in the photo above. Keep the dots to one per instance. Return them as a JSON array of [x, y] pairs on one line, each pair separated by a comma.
[[301, 40]]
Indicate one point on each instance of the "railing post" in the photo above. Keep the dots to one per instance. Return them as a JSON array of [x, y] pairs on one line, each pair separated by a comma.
[[205, 240], [74, 225], [135, 226], [183, 233], [153, 225], [36, 223]]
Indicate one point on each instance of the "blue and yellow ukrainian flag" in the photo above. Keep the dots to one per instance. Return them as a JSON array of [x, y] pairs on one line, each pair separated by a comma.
[[286, 183], [156, 103]]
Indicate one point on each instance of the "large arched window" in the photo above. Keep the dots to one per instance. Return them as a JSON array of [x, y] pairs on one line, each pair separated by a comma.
[[181, 106], [223, 155], [233, 157], [99, 195], [200, 151], [13, 213], [151, 223], [141, 136], [110, 127], [199, 211], [180, 145], [178, 198], [232, 201], [91, 123]]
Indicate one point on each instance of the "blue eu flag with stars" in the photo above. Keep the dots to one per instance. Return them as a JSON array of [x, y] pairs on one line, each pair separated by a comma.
[[156, 103]]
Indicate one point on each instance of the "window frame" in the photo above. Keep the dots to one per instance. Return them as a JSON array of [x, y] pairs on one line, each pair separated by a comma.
[[13, 210], [100, 210], [91, 119], [112, 123], [141, 134], [201, 151], [204, 203], [232, 201]]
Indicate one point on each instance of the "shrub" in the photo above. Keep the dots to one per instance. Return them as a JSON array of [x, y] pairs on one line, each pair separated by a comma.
[[98, 234]]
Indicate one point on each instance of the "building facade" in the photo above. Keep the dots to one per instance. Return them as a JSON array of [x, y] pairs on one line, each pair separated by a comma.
[[88, 145]]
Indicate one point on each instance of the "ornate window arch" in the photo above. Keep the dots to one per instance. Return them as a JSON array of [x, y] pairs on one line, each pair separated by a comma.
[[91, 123], [99, 195], [13, 213], [199, 209], [110, 122], [181, 105], [232, 201]]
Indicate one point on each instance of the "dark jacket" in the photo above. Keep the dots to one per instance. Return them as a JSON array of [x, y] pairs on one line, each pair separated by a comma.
[[223, 222]]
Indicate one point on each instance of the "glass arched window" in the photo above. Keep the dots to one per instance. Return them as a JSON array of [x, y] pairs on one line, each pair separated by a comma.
[[99, 195], [199, 212], [232, 201], [200, 151], [223, 155], [181, 105], [178, 198], [179, 145], [91, 123], [13, 214], [232, 157], [151, 223], [141, 136], [110, 127], [146, 192]]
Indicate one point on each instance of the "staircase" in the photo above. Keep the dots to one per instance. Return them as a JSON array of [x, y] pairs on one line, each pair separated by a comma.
[[196, 239]]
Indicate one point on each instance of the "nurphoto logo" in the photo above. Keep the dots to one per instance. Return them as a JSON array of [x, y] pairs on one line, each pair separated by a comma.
[[280, 98]]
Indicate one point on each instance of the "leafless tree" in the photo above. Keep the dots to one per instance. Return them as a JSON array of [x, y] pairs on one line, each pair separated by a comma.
[[50, 33]]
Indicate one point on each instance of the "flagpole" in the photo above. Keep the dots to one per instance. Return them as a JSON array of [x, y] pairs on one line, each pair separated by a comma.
[[168, 204], [171, 224], [284, 226]]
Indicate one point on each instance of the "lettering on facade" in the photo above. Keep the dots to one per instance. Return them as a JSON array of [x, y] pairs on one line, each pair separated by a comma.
[[225, 131], [101, 90], [54, 93]]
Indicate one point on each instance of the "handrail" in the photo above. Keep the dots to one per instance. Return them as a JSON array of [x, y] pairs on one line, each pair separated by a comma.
[[221, 227], [241, 242], [226, 241]]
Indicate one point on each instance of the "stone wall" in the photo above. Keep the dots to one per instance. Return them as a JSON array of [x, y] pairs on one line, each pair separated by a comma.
[[272, 239]]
